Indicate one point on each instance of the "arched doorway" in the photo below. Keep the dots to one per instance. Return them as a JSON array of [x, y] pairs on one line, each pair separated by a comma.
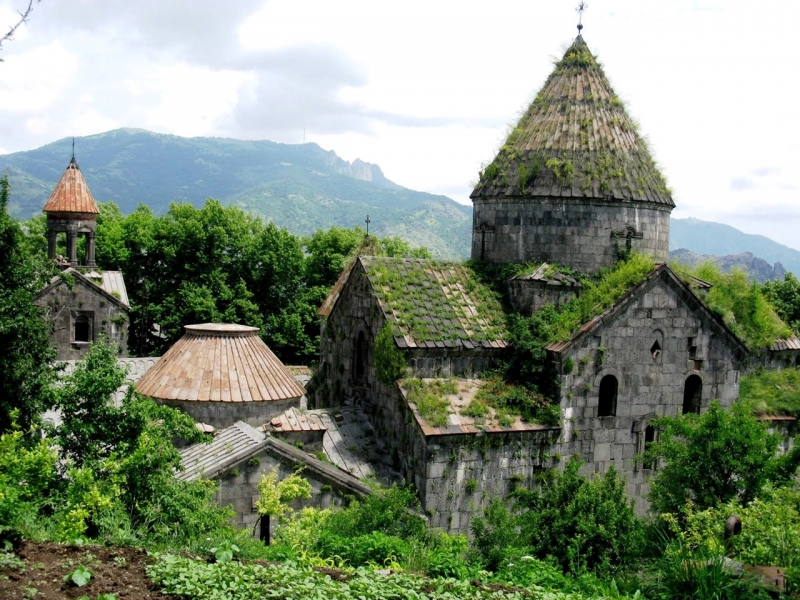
[[607, 407], [692, 394]]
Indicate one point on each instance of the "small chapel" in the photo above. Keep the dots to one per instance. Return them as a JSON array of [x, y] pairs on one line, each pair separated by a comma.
[[83, 303], [572, 189]]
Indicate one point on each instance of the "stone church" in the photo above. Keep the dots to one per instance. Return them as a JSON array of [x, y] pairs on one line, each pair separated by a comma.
[[84, 302], [574, 185]]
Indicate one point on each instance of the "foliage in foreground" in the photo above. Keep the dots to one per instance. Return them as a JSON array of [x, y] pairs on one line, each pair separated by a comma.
[[772, 392], [25, 352], [713, 458], [585, 525], [187, 578]]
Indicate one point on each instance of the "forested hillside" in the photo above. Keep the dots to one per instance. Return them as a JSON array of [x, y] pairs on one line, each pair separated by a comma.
[[301, 187]]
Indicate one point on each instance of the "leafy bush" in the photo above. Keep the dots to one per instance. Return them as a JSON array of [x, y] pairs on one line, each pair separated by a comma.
[[742, 305], [375, 547], [772, 392], [711, 459], [584, 525]]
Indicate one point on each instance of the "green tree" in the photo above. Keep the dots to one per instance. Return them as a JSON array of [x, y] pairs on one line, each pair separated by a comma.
[[25, 373], [275, 496], [329, 252], [713, 458], [785, 297]]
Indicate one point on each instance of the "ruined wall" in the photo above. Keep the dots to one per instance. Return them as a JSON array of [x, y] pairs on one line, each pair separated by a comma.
[[463, 473], [529, 296], [64, 306], [238, 485], [568, 232], [650, 384]]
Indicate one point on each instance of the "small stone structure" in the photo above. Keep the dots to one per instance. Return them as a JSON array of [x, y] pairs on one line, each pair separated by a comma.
[[240, 455], [81, 307], [85, 302], [221, 373]]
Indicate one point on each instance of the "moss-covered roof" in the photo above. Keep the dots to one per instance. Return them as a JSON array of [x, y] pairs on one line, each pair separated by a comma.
[[432, 303], [575, 140]]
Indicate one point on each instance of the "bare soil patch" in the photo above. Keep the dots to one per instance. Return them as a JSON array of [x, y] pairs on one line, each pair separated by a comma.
[[118, 571]]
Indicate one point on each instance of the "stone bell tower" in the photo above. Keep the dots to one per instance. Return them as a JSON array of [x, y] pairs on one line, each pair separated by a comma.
[[71, 209]]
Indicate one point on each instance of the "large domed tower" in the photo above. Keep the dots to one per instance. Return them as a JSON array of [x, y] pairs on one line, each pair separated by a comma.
[[574, 181]]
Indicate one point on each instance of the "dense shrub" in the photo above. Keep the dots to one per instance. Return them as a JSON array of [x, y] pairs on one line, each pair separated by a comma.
[[713, 458], [583, 524]]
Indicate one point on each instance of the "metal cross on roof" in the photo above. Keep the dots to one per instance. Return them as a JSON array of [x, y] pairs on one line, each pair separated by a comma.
[[368, 222], [581, 7]]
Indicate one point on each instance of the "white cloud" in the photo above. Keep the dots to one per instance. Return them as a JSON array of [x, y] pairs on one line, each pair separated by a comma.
[[425, 89]]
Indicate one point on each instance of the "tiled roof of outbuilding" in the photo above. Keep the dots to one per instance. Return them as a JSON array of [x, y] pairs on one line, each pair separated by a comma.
[[230, 445], [71, 194], [575, 140], [432, 303], [220, 362]]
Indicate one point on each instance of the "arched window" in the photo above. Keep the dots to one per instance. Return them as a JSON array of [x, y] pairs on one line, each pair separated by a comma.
[[83, 329], [608, 397], [692, 394], [360, 357]]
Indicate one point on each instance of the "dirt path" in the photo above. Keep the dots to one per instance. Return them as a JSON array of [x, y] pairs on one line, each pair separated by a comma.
[[118, 571]]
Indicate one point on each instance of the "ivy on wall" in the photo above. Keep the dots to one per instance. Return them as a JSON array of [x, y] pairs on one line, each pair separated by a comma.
[[390, 364]]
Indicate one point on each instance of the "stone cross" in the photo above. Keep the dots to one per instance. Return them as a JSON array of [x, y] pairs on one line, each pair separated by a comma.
[[367, 222]]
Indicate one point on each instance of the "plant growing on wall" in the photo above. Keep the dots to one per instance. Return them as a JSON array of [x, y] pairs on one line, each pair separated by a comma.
[[275, 496], [390, 364]]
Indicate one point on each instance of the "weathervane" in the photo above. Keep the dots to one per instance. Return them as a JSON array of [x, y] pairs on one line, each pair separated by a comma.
[[367, 222], [581, 7]]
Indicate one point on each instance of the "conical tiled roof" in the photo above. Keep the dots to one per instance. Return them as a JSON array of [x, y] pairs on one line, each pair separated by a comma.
[[575, 140], [71, 195], [219, 362]]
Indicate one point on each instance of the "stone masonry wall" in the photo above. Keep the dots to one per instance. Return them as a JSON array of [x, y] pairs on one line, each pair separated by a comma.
[[465, 472], [225, 414], [649, 386], [570, 232], [528, 297], [64, 305]]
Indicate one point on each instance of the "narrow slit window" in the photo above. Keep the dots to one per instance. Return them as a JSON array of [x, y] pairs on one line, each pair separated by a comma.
[[655, 350]]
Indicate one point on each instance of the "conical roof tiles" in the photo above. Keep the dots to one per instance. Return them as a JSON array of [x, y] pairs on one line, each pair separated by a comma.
[[71, 194], [220, 362], [575, 140]]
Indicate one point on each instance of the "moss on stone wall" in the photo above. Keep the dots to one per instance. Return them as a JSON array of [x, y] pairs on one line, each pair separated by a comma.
[[390, 363]]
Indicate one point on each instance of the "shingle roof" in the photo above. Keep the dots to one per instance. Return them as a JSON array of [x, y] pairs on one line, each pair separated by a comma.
[[433, 303], [112, 282], [791, 343], [220, 362], [575, 140], [230, 445], [71, 194]]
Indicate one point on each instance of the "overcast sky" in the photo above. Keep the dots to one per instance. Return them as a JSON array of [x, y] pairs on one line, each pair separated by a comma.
[[426, 89]]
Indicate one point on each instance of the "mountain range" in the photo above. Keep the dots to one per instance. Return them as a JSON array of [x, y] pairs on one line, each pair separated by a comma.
[[301, 187], [304, 188]]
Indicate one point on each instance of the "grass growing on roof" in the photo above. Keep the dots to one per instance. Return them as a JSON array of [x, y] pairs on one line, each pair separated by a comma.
[[509, 399], [741, 304], [435, 300], [430, 398], [772, 392]]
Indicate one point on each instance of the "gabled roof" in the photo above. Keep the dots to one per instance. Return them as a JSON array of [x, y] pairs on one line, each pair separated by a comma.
[[430, 303], [665, 273], [231, 445], [575, 140], [220, 362], [107, 285], [71, 194]]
